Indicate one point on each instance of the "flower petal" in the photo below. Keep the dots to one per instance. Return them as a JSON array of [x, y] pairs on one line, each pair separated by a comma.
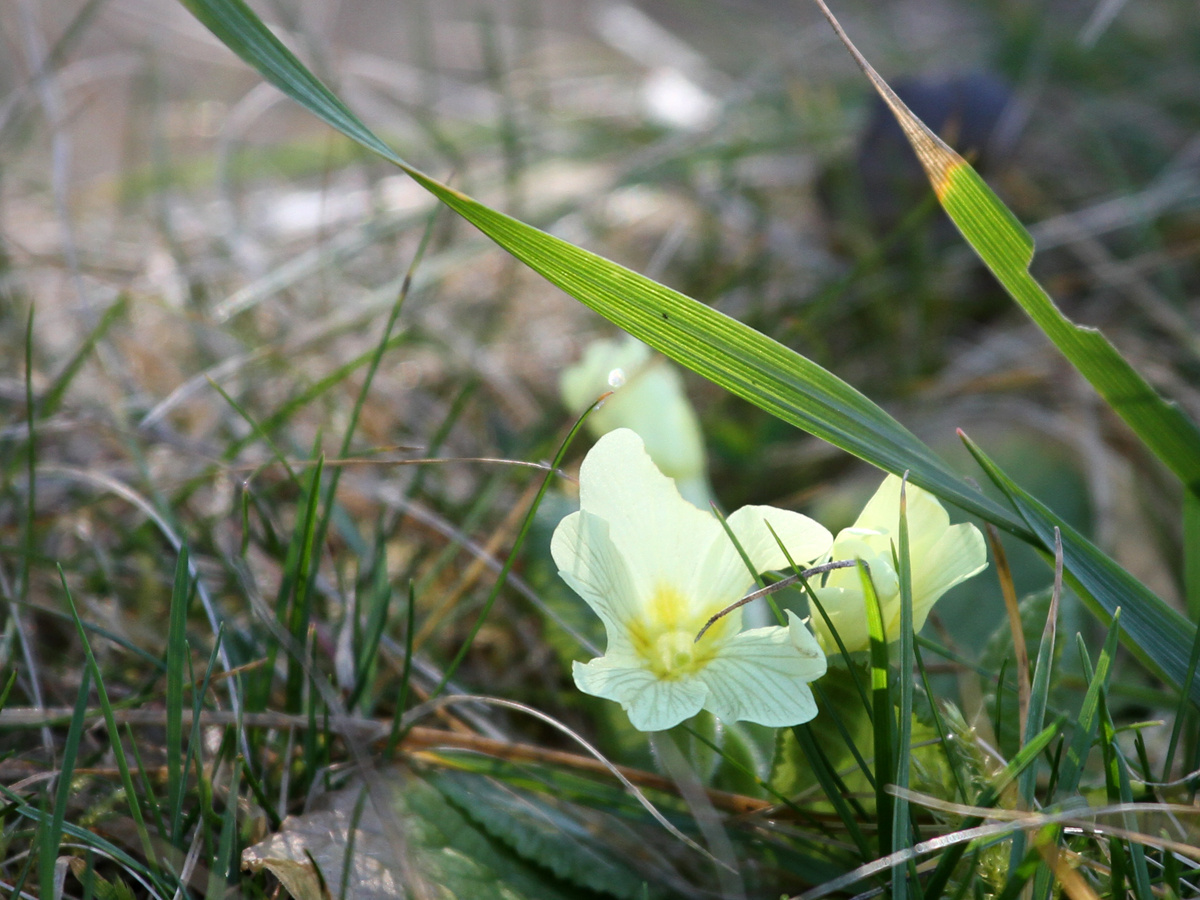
[[763, 676], [804, 538], [658, 533], [957, 555], [846, 607], [654, 405], [653, 704], [722, 577], [927, 518], [591, 565]]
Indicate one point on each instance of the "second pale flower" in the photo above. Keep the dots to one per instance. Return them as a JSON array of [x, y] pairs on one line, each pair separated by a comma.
[[942, 555]]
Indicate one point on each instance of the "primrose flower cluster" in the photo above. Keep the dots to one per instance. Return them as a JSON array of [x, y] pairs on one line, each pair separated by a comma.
[[657, 569]]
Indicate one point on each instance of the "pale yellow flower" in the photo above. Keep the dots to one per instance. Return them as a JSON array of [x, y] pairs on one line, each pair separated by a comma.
[[941, 555], [655, 568]]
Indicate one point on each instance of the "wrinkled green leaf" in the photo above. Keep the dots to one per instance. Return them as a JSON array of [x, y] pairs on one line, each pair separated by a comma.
[[573, 843], [409, 841]]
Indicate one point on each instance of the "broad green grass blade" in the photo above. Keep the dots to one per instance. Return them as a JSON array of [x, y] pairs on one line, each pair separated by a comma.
[[1159, 636], [1004, 245], [721, 349]]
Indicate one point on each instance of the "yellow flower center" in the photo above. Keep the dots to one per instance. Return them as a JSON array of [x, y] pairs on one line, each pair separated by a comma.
[[665, 636]]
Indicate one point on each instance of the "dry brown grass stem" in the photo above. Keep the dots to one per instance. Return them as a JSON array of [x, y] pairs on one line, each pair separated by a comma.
[[420, 741]]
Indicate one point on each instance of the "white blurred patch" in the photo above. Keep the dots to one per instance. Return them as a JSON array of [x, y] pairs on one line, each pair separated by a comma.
[[673, 99], [674, 92]]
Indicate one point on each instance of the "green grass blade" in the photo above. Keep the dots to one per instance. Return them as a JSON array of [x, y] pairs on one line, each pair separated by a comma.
[[88, 838], [835, 791], [218, 876], [378, 596], [1159, 636], [1181, 709], [1191, 554], [511, 559], [826, 704], [883, 718], [902, 837], [405, 673], [54, 394], [195, 745], [301, 612], [1116, 771], [939, 723], [1026, 756], [177, 661], [110, 723], [280, 417], [815, 603], [8, 686], [1038, 696], [1087, 722], [51, 832], [1007, 249], [153, 807], [258, 430], [239, 29], [1019, 875]]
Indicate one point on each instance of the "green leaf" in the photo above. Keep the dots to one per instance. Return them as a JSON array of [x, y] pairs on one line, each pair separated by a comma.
[[577, 845], [1159, 636], [1004, 245], [441, 851]]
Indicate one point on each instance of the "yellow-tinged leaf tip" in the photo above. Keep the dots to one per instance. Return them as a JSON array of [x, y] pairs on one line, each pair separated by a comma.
[[936, 156]]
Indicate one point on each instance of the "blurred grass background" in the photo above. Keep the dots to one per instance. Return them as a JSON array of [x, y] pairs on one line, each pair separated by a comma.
[[208, 272]]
